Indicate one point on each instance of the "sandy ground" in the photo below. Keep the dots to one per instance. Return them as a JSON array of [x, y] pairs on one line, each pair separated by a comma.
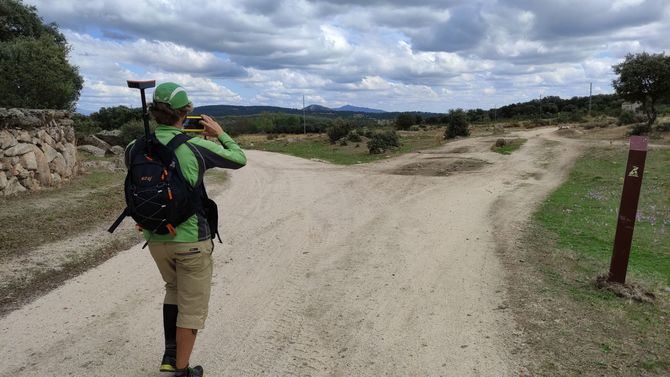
[[324, 271]]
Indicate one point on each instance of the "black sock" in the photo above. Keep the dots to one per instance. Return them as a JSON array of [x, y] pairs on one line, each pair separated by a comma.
[[170, 328], [181, 372]]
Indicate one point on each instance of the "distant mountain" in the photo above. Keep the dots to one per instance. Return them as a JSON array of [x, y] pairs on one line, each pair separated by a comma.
[[311, 110], [318, 109], [357, 109]]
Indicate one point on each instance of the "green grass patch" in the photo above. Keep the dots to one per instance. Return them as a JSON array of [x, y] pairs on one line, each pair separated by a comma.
[[352, 153], [571, 326], [510, 146], [35, 218], [583, 211]]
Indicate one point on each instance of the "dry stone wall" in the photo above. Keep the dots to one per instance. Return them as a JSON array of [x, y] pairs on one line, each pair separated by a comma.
[[37, 149]]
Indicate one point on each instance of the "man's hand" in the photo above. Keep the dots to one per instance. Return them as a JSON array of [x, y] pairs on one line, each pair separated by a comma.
[[211, 127]]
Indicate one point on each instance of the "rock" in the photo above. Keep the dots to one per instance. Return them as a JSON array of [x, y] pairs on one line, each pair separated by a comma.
[[69, 134], [501, 143], [28, 160], [49, 152], [95, 151], [100, 165], [96, 142], [58, 165], [60, 147], [25, 137], [56, 179], [20, 171], [55, 133], [43, 172], [3, 180], [111, 137], [7, 140], [13, 186], [29, 121], [66, 123], [45, 137], [19, 149], [117, 150], [30, 183], [70, 155]]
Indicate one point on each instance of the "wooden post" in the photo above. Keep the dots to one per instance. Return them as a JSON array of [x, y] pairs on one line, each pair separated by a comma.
[[628, 209]]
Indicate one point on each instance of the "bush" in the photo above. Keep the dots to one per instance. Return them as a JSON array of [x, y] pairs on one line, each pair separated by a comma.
[[354, 136], [383, 141], [627, 117], [404, 121], [639, 129], [134, 129], [663, 127], [457, 124], [337, 131], [84, 126]]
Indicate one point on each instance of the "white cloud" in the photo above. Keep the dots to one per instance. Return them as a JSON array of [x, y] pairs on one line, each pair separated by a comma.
[[393, 54]]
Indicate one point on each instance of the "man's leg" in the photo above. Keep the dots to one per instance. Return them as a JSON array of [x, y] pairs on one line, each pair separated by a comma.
[[162, 254], [185, 343], [194, 283], [170, 329]]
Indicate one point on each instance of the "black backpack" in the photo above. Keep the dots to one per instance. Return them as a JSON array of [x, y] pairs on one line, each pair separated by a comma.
[[158, 197]]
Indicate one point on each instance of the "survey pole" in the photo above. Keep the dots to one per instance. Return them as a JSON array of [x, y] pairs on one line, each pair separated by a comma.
[[630, 196]]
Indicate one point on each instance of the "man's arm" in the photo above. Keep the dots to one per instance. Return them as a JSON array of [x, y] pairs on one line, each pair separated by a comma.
[[226, 155]]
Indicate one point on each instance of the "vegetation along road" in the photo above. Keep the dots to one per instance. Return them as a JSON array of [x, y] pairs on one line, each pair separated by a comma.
[[388, 268]]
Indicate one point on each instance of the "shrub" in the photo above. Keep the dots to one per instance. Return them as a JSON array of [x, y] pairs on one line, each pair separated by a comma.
[[457, 124], [134, 129], [383, 141], [337, 131], [639, 129], [663, 127], [627, 117], [404, 121], [415, 128], [354, 136], [343, 142], [84, 126]]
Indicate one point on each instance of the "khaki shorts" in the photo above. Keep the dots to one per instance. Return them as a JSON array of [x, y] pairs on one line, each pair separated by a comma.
[[187, 271]]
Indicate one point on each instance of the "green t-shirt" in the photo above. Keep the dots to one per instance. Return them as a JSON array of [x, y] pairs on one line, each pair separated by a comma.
[[199, 152]]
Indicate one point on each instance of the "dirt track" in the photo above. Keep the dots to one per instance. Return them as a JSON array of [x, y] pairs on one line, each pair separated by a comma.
[[325, 270]]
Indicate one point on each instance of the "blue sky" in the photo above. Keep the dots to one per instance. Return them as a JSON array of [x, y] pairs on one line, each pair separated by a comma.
[[394, 55]]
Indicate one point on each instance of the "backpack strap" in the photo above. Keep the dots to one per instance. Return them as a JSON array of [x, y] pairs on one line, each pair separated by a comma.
[[119, 220], [176, 141]]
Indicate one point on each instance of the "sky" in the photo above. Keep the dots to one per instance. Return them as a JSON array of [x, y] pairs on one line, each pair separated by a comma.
[[395, 55]]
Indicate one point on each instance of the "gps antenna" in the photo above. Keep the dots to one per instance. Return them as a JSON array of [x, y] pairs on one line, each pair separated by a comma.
[[141, 85]]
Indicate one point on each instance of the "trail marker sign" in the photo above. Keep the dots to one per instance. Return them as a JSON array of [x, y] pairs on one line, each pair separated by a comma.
[[628, 209]]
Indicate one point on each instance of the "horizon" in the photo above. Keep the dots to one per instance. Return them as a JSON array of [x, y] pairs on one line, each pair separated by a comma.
[[387, 55]]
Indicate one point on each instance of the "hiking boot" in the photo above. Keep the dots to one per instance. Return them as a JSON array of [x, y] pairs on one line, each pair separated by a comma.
[[196, 371], [168, 364]]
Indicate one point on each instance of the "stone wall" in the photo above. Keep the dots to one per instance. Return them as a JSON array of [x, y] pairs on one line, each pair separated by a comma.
[[37, 149]]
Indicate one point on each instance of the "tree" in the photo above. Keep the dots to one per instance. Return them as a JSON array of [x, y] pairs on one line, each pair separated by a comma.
[[404, 121], [457, 125], [111, 118], [644, 78], [33, 61]]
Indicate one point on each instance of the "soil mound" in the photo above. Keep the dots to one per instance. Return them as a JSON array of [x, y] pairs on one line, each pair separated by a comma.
[[440, 166]]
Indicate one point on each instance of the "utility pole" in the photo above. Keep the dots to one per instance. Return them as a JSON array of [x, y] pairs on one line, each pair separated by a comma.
[[590, 94], [304, 123]]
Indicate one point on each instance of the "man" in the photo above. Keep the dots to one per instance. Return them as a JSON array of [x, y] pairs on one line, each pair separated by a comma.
[[184, 257]]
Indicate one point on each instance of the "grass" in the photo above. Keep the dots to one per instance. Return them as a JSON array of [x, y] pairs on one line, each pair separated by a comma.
[[318, 147], [510, 146], [571, 326], [584, 210], [33, 219]]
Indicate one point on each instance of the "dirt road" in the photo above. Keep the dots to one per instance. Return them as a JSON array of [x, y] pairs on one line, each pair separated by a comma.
[[373, 270]]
